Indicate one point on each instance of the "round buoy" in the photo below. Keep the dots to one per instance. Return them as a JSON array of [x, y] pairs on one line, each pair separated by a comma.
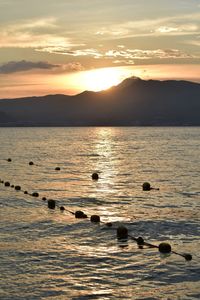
[[95, 176], [17, 187], [25, 192], [35, 194], [7, 183], [122, 232], [79, 214], [31, 163], [44, 198], [62, 208], [51, 204], [9, 159], [146, 186], [140, 241], [109, 224], [188, 256], [12, 186], [95, 219], [164, 248], [57, 168]]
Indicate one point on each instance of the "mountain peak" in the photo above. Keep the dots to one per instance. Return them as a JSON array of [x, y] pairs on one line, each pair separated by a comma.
[[129, 81]]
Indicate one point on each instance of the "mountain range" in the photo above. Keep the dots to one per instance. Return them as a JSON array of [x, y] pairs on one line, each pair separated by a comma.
[[134, 102]]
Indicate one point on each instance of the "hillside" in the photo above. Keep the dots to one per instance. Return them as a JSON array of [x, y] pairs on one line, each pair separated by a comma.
[[134, 102]]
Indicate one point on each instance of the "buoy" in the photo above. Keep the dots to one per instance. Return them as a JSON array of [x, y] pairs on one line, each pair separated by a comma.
[[80, 215], [109, 224], [44, 198], [9, 159], [146, 186], [188, 256], [18, 187], [95, 219], [62, 208], [140, 241], [35, 194], [51, 204], [31, 163], [95, 176], [122, 232], [25, 192], [57, 168], [7, 183], [165, 248], [12, 186]]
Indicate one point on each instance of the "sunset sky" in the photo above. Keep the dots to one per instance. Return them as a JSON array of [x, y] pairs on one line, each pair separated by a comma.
[[67, 46]]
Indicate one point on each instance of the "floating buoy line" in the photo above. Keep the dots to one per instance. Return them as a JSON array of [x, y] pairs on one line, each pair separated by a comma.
[[122, 231]]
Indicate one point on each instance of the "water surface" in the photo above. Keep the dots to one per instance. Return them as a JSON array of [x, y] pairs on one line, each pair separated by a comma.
[[46, 254]]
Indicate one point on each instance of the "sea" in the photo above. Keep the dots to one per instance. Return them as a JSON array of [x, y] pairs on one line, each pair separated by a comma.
[[49, 254]]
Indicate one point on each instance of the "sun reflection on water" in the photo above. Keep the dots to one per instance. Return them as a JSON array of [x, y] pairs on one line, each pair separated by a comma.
[[104, 146]]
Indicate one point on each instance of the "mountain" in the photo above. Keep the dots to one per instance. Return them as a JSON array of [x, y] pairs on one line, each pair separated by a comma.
[[133, 102]]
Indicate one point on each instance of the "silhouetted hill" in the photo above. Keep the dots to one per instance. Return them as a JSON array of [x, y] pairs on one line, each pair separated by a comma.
[[132, 102]]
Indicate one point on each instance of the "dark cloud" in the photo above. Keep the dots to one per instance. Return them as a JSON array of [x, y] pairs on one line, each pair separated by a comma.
[[23, 65]]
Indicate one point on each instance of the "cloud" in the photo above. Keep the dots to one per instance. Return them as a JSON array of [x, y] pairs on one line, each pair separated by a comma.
[[23, 65], [124, 62], [38, 33], [33, 25], [78, 52], [121, 54], [132, 54], [74, 66], [165, 29], [117, 53], [174, 25], [178, 30], [30, 40]]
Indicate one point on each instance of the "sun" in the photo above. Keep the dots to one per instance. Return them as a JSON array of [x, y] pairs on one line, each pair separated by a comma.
[[91, 80], [101, 79]]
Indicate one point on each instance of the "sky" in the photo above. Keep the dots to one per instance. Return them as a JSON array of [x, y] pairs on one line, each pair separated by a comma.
[[68, 46]]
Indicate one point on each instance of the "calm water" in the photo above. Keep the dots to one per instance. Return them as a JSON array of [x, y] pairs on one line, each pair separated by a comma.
[[47, 254]]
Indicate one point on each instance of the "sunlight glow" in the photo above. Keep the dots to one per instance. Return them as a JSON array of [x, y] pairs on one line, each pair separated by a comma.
[[72, 83], [102, 79]]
